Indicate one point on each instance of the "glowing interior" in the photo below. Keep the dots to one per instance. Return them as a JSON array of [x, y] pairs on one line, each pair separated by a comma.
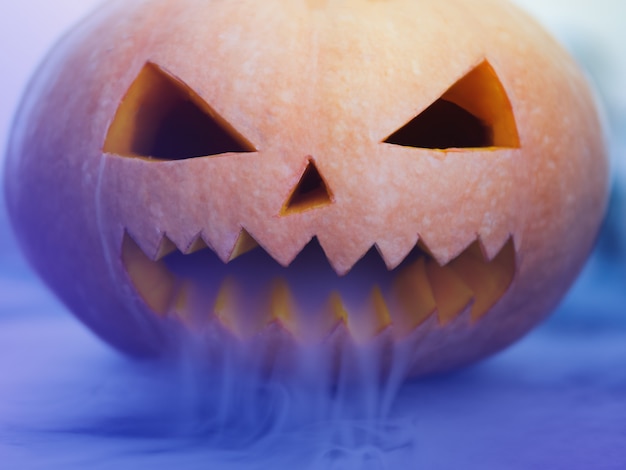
[[308, 298], [474, 113], [161, 118], [310, 192]]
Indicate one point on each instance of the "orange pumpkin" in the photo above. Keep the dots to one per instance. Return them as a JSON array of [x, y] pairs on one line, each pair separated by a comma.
[[414, 170]]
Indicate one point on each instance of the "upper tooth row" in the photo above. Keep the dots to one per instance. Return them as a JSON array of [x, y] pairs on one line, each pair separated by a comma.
[[244, 242]]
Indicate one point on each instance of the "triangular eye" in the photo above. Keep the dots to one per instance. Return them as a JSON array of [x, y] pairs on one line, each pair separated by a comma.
[[310, 192], [475, 112], [162, 118]]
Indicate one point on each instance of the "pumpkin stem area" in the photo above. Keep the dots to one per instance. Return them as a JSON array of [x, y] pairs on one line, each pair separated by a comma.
[[307, 300]]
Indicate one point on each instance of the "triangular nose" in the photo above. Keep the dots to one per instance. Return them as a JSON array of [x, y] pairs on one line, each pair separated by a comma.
[[310, 192]]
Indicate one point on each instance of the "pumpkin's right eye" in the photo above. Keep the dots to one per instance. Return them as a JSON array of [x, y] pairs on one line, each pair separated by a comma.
[[475, 112]]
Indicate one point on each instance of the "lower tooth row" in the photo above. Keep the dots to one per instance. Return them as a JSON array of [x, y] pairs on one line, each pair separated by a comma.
[[281, 308]]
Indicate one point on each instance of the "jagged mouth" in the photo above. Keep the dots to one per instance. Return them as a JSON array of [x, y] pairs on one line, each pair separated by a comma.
[[308, 298]]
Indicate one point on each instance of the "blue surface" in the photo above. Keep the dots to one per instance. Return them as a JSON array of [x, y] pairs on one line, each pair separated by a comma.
[[556, 399]]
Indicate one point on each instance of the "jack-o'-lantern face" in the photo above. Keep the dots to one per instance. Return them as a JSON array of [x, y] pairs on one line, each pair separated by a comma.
[[162, 119], [403, 167]]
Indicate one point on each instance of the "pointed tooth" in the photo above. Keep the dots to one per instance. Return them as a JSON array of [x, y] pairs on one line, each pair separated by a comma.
[[244, 243], [417, 303], [153, 281], [421, 244], [373, 317], [479, 278], [243, 316], [343, 257], [182, 240], [493, 243], [475, 250], [166, 247], [149, 242], [227, 306], [394, 251], [488, 281], [462, 321], [221, 240], [445, 251], [440, 252], [281, 307], [451, 294], [506, 258], [197, 245], [283, 249], [382, 319], [333, 314]]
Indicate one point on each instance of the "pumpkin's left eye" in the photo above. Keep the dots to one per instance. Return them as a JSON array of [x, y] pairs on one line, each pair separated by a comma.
[[161, 118]]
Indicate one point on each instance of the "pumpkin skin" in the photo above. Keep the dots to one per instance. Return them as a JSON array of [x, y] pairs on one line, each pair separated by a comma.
[[298, 83]]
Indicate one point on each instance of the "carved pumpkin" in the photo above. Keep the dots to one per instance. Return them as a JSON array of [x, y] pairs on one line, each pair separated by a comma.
[[407, 169]]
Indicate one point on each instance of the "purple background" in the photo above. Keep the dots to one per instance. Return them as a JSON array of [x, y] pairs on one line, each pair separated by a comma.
[[556, 399]]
